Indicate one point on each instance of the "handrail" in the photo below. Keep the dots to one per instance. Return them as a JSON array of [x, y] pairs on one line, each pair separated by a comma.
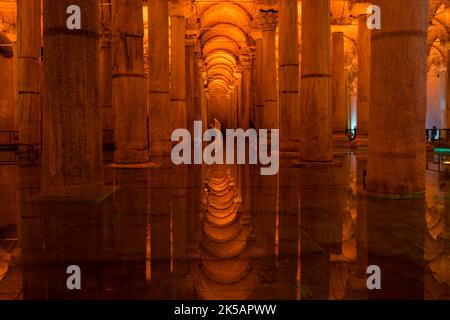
[[439, 137]]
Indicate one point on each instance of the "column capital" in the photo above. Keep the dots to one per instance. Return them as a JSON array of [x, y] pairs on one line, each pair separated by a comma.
[[268, 19], [179, 8], [245, 61], [360, 9], [190, 39]]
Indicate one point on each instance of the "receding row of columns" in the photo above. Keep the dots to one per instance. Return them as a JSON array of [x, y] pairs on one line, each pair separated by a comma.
[[388, 86]]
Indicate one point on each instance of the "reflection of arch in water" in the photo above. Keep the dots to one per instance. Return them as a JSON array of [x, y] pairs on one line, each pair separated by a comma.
[[226, 271]]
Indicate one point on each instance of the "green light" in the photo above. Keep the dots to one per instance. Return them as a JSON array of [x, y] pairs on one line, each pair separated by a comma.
[[442, 150]]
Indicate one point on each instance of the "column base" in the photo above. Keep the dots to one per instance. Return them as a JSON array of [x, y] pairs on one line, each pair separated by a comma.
[[145, 165], [324, 164], [96, 196]]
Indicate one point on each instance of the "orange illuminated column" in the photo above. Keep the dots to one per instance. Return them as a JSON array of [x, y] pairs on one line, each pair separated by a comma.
[[198, 64], [339, 84], [191, 84], [105, 93], [158, 90], [239, 101], [244, 113], [269, 20], [258, 80], [364, 49], [289, 77], [29, 55], [447, 110], [315, 90], [72, 153], [178, 65], [397, 151], [129, 99]]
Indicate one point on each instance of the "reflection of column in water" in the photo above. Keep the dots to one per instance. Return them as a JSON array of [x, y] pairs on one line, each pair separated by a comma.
[[130, 232], [180, 227], [288, 230], [342, 262], [316, 188], [73, 232], [32, 236], [395, 231], [160, 190], [359, 275]]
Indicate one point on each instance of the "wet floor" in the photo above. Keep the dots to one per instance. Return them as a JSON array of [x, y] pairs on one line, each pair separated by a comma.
[[225, 232]]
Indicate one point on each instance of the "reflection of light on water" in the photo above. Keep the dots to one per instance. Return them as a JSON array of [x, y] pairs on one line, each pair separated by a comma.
[[277, 224], [148, 260], [299, 291], [171, 238]]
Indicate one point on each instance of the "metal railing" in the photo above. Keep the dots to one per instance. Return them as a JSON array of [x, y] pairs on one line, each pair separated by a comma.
[[9, 144], [438, 137], [9, 140], [351, 133]]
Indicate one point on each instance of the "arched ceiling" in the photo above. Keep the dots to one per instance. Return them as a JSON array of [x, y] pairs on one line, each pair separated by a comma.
[[224, 36]]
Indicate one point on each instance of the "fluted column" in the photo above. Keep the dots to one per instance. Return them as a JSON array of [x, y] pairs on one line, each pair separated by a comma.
[[289, 77], [269, 20], [178, 65], [159, 91], [29, 56], [72, 153], [129, 98], [364, 53], [397, 151], [315, 90], [339, 84]]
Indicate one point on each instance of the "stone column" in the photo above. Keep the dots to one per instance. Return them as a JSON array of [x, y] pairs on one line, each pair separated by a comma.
[[315, 92], [203, 97], [178, 66], [29, 56], [72, 153], [198, 64], [259, 85], [105, 93], [339, 84], [246, 93], [447, 109], [190, 81], [253, 96], [289, 77], [237, 111], [397, 153], [269, 20], [159, 91], [129, 99], [364, 49]]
